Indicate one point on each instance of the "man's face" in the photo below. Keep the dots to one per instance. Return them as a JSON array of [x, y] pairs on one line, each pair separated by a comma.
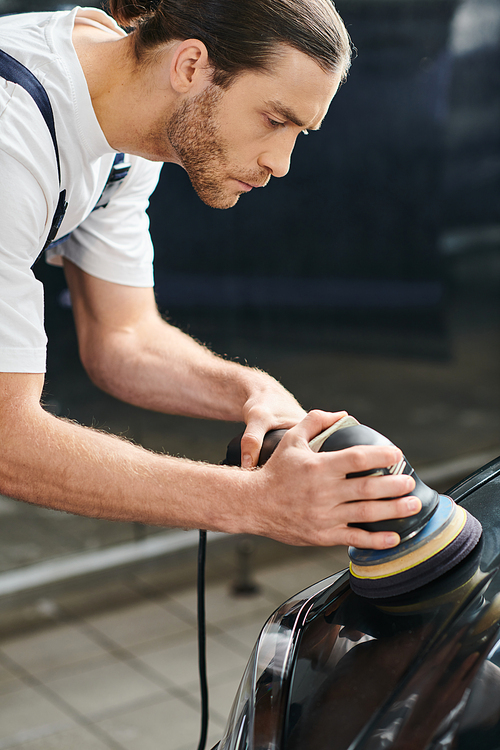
[[231, 140]]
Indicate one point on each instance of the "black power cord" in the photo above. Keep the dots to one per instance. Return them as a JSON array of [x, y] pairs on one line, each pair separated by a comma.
[[202, 639], [233, 458]]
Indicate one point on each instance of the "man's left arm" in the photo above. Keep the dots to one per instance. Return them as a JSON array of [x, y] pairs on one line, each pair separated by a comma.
[[130, 352]]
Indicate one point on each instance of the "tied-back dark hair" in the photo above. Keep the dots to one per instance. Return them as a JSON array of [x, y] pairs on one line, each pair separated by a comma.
[[239, 34]]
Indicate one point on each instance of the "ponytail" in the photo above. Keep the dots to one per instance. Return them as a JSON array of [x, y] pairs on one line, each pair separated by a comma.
[[128, 12]]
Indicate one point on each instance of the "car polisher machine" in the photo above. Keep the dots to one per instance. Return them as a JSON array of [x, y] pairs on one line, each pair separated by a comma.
[[436, 539], [432, 542]]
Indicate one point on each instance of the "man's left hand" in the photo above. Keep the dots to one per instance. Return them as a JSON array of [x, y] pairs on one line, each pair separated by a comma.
[[270, 408]]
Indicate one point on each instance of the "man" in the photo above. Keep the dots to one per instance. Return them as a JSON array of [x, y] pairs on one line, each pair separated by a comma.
[[222, 88]]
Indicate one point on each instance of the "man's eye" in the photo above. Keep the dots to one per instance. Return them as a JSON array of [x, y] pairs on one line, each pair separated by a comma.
[[275, 123]]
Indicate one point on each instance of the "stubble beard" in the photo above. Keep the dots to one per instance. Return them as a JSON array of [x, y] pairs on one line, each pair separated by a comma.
[[194, 133]]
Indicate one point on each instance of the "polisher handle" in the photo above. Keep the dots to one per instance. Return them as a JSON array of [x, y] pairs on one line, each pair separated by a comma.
[[273, 437], [271, 440]]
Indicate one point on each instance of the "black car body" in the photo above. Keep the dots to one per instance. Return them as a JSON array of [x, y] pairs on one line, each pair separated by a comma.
[[332, 670]]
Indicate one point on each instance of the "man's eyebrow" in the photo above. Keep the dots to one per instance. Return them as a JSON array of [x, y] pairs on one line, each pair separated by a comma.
[[288, 114]]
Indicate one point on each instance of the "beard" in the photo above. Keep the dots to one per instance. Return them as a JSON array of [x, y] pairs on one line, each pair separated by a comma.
[[194, 133]]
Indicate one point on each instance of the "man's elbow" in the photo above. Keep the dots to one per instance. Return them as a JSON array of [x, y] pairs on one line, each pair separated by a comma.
[[97, 365], [104, 361]]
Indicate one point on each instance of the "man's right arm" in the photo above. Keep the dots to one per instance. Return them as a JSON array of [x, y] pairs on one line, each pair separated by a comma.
[[298, 497]]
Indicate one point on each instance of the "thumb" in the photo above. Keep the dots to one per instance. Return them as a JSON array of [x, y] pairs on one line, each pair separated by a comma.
[[315, 423], [251, 445]]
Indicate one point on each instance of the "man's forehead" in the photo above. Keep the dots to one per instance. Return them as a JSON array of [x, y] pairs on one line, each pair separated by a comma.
[[297, 89], [293, 87]]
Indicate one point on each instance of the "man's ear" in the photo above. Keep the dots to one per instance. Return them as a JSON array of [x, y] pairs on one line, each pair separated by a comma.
[[190, 70]]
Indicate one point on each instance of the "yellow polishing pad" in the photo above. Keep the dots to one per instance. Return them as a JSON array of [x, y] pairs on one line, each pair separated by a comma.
[[416, 556]]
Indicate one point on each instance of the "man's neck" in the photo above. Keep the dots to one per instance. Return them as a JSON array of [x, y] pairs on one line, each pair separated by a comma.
[[127, 98]]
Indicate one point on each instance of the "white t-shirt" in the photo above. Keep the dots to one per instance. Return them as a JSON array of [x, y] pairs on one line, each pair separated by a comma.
[[112, 243]]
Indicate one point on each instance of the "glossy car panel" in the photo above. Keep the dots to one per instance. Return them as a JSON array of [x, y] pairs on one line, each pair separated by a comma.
[[417, 671]]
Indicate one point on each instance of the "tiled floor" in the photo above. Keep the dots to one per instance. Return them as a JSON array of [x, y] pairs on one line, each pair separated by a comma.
[[127, 678]]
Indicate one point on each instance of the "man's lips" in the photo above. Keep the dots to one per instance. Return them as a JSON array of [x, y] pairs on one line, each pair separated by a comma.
[[248, 186]]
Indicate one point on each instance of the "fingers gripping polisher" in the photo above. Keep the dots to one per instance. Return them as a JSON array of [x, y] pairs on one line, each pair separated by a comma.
[[432, 542]]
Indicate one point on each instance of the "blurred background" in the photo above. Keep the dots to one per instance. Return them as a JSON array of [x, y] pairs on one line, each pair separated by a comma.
[[367, 280]]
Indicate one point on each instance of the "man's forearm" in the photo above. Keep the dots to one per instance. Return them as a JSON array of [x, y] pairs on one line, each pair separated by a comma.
[[165, 370], [129, 351], [62, 465], [157, 366]]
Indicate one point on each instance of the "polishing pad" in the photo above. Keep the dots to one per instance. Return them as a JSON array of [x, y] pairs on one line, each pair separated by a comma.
[[443, 542]]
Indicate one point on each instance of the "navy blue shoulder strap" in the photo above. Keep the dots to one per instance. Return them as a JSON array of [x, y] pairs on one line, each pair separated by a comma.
[[14, 71], [119, 171]]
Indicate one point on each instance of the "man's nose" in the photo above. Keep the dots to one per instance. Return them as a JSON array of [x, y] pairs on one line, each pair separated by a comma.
[[276, 159]]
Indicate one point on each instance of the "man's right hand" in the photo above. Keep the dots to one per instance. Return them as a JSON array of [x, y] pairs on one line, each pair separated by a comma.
[[301, 497]]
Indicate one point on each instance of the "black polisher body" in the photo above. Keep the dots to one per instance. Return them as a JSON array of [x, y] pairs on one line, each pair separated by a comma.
[[360, 434], [419, 557], [418, 533]]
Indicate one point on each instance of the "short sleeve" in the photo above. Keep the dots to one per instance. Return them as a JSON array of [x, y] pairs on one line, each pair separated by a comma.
[[113, 243], [22, 336], [24, 212]]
